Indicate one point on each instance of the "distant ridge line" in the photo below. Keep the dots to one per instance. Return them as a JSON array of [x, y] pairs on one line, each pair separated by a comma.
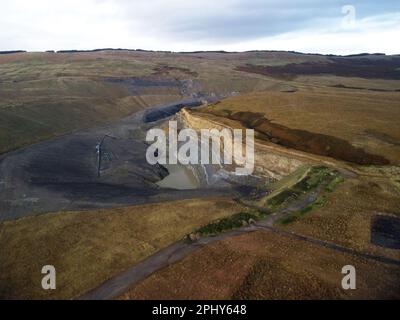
[[199, 51], [12, 51]]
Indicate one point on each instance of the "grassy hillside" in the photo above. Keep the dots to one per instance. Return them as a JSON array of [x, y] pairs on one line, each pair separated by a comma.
[[89, 247], [47, 94]]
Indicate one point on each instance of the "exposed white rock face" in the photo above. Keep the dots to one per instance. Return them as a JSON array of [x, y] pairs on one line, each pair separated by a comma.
[[270, 162]]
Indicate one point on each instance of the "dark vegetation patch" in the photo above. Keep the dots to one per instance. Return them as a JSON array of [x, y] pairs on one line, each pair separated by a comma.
[[235, 221], [339, 66], [11, 52], [315, 143], [315, 177], [364, 54], [385, 232], [332, 185], [342, 86], [137, 86], [319, 203], [164, 70], [167, 111], [318, 176], [282, 197], [145, 82]]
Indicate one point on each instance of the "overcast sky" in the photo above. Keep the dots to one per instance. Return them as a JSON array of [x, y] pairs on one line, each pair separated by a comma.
[[323, 26]]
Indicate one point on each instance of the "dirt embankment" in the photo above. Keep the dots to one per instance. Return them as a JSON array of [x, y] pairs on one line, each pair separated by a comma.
[[315, 143], [272, 164]]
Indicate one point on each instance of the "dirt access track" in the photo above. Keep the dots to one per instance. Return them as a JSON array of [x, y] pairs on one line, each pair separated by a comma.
[[173, 254]]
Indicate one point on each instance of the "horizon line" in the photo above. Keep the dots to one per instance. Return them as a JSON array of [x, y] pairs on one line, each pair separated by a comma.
[[190, 52]]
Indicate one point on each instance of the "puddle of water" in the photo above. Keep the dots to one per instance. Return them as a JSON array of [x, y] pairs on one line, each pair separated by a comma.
[[385, 232], [180, 177]]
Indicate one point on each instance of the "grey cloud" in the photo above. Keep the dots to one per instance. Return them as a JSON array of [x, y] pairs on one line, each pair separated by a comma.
[[167, 24], [229, 21]]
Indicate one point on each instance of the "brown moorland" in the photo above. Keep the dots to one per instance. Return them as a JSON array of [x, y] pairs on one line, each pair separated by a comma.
[[353, 67], [89, 247], [265, 265]]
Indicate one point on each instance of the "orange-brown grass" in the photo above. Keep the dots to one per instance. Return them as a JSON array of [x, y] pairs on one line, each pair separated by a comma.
[[264, 265], [89, 247], [348, 212]]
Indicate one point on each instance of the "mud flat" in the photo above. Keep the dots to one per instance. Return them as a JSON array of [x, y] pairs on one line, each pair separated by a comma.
[[180, 177]]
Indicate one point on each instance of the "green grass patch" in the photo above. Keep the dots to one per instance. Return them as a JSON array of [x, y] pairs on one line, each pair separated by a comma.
[[290, 180], [334, 183], [314, 178], [319, 203], [287, 220], [307, 180], [281, 197], [235, 221], [310, 180]]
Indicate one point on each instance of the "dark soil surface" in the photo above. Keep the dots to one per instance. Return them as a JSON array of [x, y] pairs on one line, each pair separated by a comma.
[[344, 67], [342, 86], [167, 111], [62, 174], [164, 70]]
